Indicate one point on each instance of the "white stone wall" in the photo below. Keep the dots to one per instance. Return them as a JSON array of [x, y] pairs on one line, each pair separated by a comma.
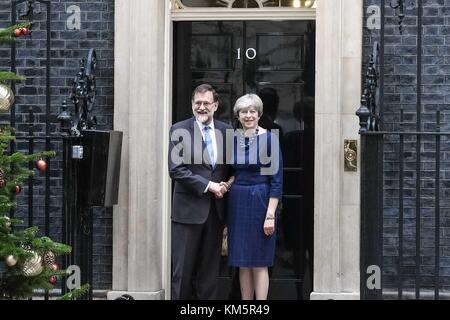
[[139, 221], [336, 203]]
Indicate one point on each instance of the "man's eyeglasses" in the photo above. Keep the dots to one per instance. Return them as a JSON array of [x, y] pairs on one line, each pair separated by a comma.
[[207, 104]]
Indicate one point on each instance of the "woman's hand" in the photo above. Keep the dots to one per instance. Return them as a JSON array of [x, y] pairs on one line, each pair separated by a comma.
[[269, 223], [227, 185], [224, 186], [269, 226], [223, 190]]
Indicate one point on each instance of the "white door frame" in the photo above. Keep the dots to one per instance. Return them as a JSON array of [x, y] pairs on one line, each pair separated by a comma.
[[143, 111], [210, 14], [338, 70], [216, 14]]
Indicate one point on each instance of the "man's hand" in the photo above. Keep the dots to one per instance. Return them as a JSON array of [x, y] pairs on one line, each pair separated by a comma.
[[218, 189], [224, 187]]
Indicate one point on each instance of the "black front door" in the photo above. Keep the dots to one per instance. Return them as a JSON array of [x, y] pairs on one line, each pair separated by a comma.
[[274, 59]]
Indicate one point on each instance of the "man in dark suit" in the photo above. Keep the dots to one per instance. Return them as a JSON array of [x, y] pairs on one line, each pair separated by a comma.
[[197, 167]]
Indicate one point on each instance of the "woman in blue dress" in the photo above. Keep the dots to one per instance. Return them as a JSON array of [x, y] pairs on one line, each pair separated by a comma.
[[253, 199]]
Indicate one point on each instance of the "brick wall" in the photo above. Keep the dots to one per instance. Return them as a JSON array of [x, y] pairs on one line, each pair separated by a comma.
[[400, 92], [67, 48]]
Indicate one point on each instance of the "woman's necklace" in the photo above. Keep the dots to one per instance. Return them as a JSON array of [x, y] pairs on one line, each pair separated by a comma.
[[246, 142]]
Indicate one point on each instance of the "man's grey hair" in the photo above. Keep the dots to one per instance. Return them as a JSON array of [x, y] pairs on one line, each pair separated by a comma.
[[246, 101]]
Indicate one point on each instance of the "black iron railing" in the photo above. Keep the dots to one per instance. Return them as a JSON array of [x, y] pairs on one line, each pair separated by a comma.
[[404, 184], [51, 199], [409, 200]]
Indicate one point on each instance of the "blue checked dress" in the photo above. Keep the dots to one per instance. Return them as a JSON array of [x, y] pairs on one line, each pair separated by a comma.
[[248, 246]]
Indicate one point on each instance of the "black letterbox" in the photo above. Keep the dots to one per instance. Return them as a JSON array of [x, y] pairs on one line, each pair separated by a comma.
[[101, 167]]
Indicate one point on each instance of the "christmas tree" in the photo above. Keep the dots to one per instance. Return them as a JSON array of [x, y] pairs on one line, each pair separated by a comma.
[[8, 35], [27, 262]]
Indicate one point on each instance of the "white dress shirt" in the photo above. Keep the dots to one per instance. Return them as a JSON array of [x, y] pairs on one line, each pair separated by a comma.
[[213, 141]]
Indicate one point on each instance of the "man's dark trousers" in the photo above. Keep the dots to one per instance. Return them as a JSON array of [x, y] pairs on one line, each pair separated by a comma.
[[202, 241]]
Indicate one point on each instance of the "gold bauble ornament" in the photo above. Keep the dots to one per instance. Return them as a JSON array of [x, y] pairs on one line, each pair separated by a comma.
[[10, 261], [33, 265], [6, 98]]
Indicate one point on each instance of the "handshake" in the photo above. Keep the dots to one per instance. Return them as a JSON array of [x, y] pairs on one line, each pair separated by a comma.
[[219, 189]]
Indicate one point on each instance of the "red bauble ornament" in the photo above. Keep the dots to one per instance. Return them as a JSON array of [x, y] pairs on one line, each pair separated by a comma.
[[41, 165], [17, 32], [25, 31], [52, 279], [17, 189], [54, 267]]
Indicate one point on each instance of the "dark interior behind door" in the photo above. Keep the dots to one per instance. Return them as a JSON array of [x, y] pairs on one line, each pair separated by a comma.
[[274, 59]]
